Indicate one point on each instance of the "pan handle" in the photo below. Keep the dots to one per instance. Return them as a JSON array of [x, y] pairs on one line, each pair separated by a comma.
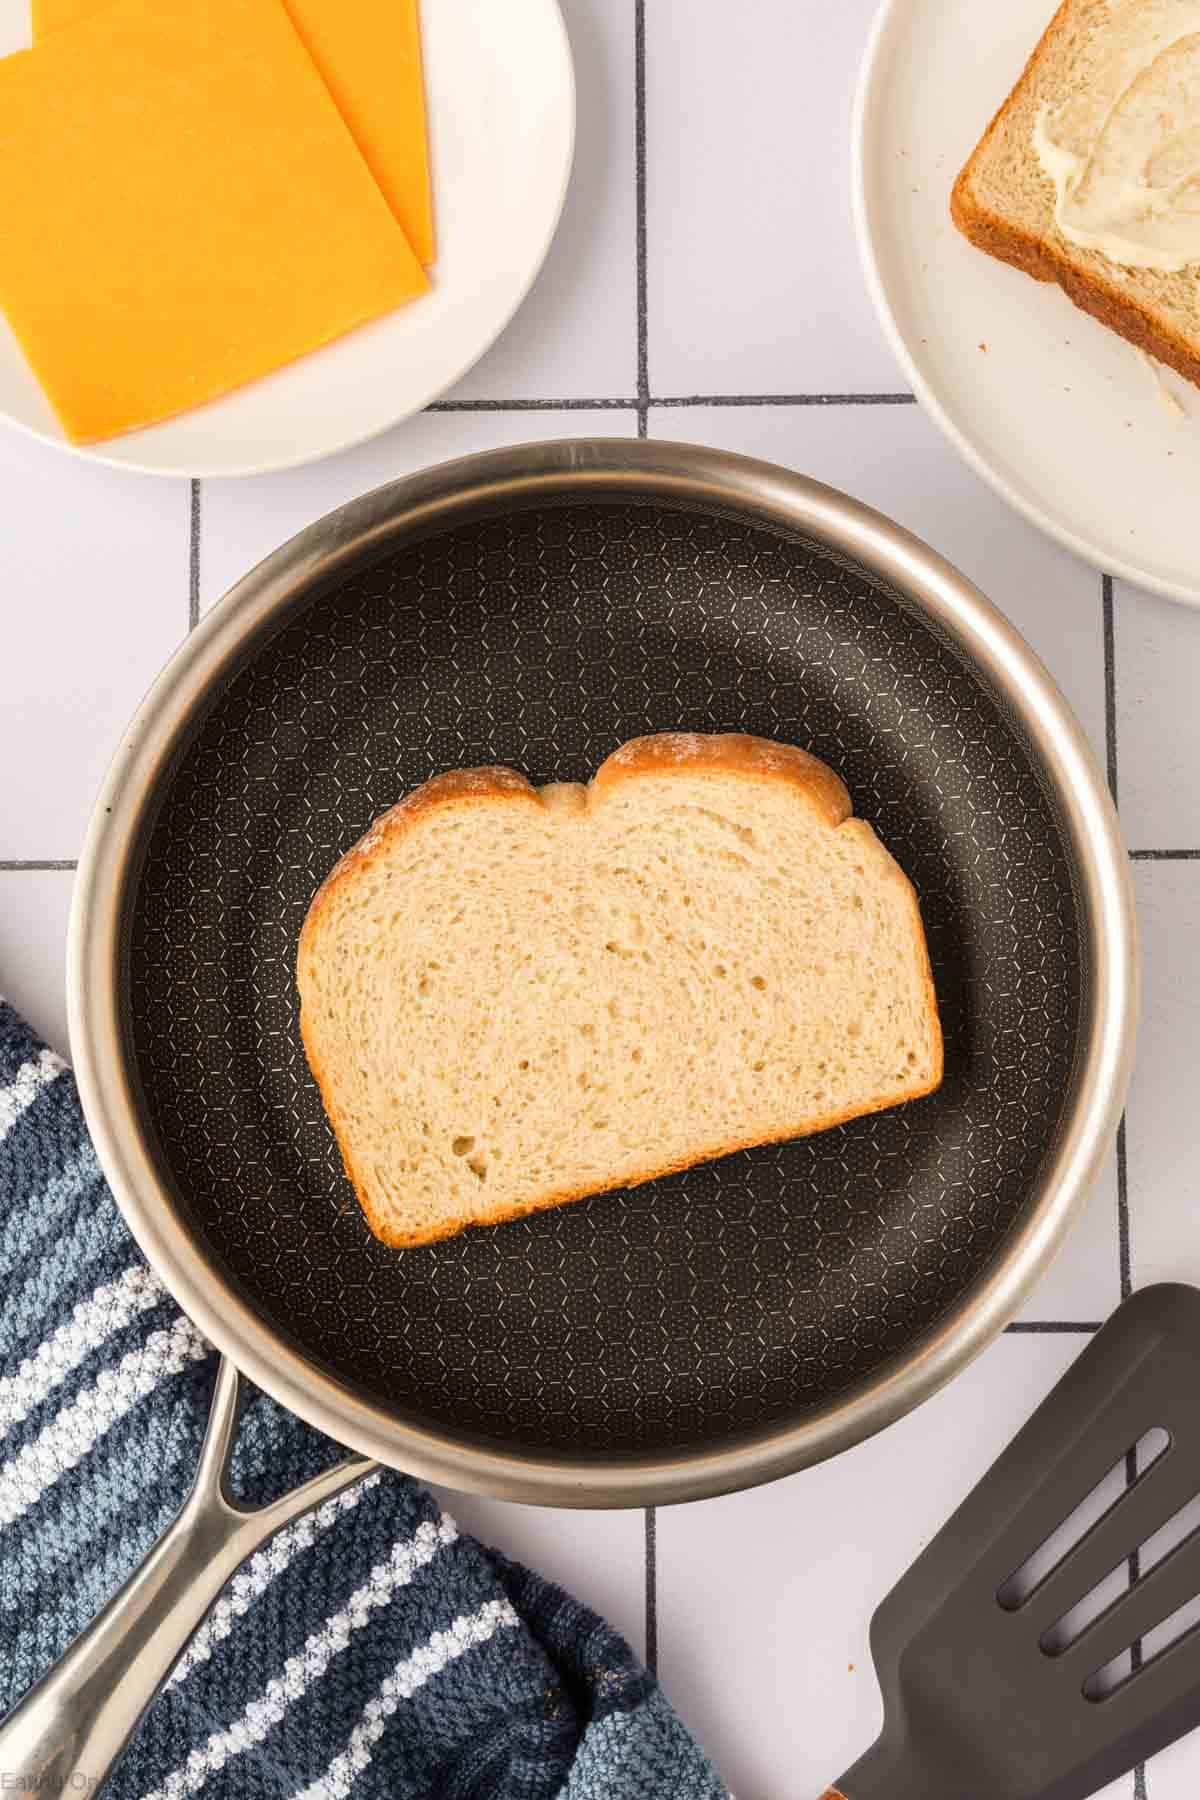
[[66, 1734]]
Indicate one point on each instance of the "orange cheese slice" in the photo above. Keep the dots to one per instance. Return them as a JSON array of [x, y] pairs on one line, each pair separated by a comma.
[[182, 208], [369, 52]]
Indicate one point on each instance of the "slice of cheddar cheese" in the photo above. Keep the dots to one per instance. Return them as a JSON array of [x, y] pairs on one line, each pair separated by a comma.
[[369, 52], [182, 208]]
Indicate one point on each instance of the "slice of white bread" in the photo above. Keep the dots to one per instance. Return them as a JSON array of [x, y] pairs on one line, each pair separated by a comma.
[[512, 997], [1005, 203]]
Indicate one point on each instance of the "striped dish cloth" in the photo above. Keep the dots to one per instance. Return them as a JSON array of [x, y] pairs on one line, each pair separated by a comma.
[[370, 1650]]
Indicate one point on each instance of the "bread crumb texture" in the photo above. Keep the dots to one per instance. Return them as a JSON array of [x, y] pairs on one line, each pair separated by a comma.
[[512, 998]]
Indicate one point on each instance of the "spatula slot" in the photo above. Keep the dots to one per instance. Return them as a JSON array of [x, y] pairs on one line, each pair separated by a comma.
[[1182, 1624], [1092, 1511], [1180, 1532], [1103, 1597], [1177, 1534]]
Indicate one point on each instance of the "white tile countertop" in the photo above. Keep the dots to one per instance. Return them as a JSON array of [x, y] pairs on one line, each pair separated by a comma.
[[704, 286]]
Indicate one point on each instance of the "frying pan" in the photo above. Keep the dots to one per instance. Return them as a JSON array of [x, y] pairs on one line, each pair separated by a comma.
[[538, 606]]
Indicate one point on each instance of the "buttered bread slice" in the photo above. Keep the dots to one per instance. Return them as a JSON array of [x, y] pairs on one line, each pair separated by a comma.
[[512, 997], [1089, 174]]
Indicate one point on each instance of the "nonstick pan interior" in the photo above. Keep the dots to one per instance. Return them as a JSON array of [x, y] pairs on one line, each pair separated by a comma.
[[720, 1301]]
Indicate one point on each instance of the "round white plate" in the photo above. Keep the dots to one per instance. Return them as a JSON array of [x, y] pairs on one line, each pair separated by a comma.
[[1061, 416], [501, 96]]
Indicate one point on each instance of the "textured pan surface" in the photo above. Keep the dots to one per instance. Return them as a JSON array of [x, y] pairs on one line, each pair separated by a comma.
[[745, 1292]]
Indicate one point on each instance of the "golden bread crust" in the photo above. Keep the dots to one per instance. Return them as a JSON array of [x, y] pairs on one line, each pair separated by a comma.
[[729, 753], [1121, 312]]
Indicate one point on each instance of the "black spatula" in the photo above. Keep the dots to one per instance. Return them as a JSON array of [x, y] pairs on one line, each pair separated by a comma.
[[991, 1691]]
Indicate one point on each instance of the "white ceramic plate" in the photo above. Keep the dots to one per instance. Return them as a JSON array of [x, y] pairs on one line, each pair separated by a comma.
[[1061, 416], [501, 98]]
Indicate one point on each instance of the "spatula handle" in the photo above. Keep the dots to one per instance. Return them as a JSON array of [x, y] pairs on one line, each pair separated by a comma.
[[889, 1770]]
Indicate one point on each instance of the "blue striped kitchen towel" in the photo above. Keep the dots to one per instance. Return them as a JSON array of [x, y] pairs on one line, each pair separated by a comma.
[[370, 1650]]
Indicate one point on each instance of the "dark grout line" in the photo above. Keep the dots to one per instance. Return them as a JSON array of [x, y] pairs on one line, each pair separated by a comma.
[[1164, 855], [194, 558], [1125, 1253], [1135, 1566], [1124, 1243], [783, 400], [1110, 682], [33, 864], [639, 115], [645, 401], [598, 403], [652, 1590], [1083, 1326], [1136, 1654]]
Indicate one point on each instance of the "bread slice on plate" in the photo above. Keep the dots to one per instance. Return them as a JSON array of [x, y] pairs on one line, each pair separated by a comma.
[[1112, 94], [512, 996]]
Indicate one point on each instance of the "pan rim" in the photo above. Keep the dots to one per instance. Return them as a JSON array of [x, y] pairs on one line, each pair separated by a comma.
[[649, 471]]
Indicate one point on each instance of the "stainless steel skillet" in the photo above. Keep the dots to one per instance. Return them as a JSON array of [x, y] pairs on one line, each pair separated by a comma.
[[538, 606]]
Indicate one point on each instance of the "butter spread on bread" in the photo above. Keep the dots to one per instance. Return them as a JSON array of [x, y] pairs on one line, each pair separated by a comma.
[[1089, 174], [1123, 147]]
